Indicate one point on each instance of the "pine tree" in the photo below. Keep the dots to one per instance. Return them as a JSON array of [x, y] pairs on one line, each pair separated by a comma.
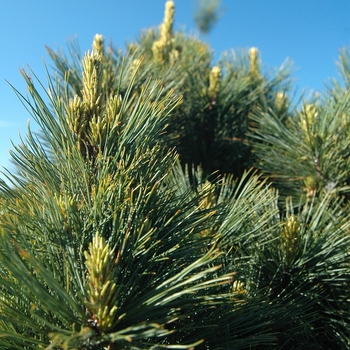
[[306, 152], [207, 14], [101, 247], [117, 233], [209, 128]]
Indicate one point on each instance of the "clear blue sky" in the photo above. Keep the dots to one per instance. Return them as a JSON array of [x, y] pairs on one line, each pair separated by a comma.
[[310, 32]]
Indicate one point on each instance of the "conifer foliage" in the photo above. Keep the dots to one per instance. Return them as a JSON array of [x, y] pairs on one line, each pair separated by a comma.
[[134, 220]]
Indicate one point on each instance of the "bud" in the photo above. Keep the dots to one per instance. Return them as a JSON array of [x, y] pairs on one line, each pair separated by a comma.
[[91, 70], [98, 44], [290, 237], [311, 186], [157, 50], [309, 116], [166, 39], [254, 60], [173, 56], [280, 101], [102, 304], [75, 115], [238, 287], [166, 28], [214, 81]]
